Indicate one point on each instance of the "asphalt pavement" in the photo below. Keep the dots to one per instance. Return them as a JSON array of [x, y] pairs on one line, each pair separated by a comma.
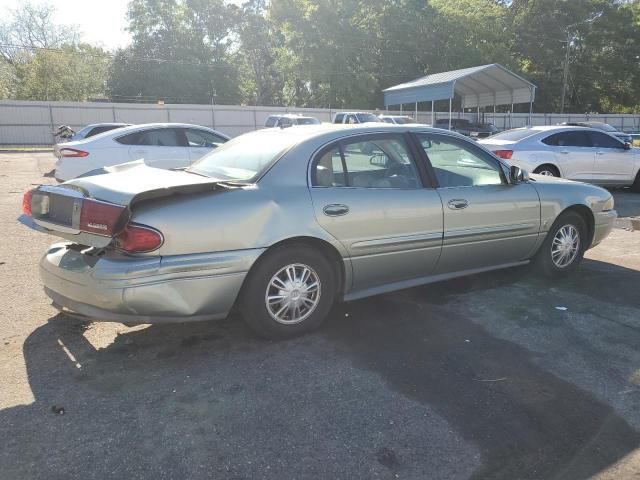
[[497, 376]]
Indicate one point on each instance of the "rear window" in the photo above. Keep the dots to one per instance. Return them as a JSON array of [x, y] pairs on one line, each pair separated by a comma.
[[244, 158], [367, 117], [339, 118], [308, 121], [271, 122], [404, 120], [514, 135]]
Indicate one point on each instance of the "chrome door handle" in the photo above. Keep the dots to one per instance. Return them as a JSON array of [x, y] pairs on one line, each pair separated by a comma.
[[335, 210], [458, 204], [599, 153], [565, 152]]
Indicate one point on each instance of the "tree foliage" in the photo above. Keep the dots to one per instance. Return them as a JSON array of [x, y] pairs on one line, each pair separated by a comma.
[[329, 53]]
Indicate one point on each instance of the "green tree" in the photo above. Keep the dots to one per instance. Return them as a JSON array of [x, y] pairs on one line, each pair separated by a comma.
[[42, 60], [180, 53]]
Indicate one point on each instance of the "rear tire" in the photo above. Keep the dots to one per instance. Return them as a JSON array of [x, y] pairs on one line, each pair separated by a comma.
[[564, 246], [288, 292], [547, 170]]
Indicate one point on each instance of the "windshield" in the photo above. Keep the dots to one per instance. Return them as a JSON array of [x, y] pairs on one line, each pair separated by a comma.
[[308, 121], [514, 135], [367, 117], [244, 158]]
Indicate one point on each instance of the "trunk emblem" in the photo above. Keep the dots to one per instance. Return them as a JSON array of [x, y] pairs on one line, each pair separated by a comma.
[[97, 226]]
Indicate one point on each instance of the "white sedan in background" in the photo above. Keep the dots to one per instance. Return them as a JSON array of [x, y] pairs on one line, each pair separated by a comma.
[[576, 153], [161, 145]]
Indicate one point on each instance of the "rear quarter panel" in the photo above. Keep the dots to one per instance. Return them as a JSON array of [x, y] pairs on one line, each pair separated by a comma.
[[245, 218]]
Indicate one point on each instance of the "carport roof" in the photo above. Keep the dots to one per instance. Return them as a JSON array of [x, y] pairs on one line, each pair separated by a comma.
[[479, 86]]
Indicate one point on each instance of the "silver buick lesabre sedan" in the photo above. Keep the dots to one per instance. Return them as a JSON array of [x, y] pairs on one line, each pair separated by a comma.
[[282, 223]]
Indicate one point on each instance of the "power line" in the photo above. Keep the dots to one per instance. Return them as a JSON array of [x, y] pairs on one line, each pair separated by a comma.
[[165, 61]]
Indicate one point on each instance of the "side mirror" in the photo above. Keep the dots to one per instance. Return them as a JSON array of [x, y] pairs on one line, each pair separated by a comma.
[[518, 175], [627, 146]]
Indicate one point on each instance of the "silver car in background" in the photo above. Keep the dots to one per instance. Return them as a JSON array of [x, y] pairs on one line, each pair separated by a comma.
[[282, 223], [576, 153]]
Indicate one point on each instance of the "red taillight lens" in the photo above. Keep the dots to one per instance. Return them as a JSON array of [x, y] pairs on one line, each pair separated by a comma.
[[506, 154], [26, 202], [138, 239], [72, 152], [101, 218]]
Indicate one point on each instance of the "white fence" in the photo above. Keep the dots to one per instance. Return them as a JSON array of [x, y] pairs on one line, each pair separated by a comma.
[[33, 123]]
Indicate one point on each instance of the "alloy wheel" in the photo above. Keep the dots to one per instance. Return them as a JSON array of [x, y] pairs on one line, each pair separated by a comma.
[[293, 293], [565, 246]]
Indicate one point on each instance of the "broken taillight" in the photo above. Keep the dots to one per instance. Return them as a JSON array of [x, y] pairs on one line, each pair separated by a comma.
[[138, 239], [72, 152], [100, 218], [26, 202]]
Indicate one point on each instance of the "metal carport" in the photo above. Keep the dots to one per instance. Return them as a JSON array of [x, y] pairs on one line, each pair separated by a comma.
[[478, 87]]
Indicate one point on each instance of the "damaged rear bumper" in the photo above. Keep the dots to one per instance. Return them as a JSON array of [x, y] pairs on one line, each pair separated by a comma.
[[148, 289]]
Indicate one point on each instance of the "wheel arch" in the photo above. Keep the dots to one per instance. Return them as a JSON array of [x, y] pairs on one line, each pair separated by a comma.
[[586, 213], [550, 164], [329, 251]]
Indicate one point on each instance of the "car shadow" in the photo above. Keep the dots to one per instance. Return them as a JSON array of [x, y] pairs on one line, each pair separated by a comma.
[[203, 399]]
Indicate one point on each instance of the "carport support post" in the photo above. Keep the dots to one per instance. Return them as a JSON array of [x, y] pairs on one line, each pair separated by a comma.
[[400, 108], [530, 106], [450, 101], [416, 112], [432, 115]]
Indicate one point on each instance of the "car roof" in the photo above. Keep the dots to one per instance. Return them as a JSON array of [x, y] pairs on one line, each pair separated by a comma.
[[107, 124], [307, 132], [290, 115], [142, 127]]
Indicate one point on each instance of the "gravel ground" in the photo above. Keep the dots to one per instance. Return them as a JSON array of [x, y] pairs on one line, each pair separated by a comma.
[[481, 377]]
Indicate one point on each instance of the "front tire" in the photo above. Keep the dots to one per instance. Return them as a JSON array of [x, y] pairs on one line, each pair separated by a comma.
[[547, 170], [564, 246], [289, 292]]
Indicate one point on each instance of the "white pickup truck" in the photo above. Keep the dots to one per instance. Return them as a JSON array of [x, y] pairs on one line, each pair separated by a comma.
[[355, 117]]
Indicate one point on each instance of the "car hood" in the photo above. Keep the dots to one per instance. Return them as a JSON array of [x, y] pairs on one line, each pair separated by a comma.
[[548, 179], [132, 182]]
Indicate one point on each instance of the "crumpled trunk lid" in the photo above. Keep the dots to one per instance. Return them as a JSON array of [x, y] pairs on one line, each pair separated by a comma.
[[65, 210]]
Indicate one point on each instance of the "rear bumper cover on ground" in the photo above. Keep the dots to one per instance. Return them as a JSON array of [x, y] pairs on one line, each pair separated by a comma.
[[145, 289]]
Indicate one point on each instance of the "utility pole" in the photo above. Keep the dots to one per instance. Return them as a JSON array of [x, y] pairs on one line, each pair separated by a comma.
[[565, 74], [571, 37]]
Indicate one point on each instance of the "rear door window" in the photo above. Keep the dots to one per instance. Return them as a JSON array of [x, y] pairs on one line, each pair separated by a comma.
[[158, 137], [375, 161], [339, 118], [568, 139], [271, 122]]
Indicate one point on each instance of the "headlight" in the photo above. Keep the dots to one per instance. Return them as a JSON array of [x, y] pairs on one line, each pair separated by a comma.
[[608, 204]]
